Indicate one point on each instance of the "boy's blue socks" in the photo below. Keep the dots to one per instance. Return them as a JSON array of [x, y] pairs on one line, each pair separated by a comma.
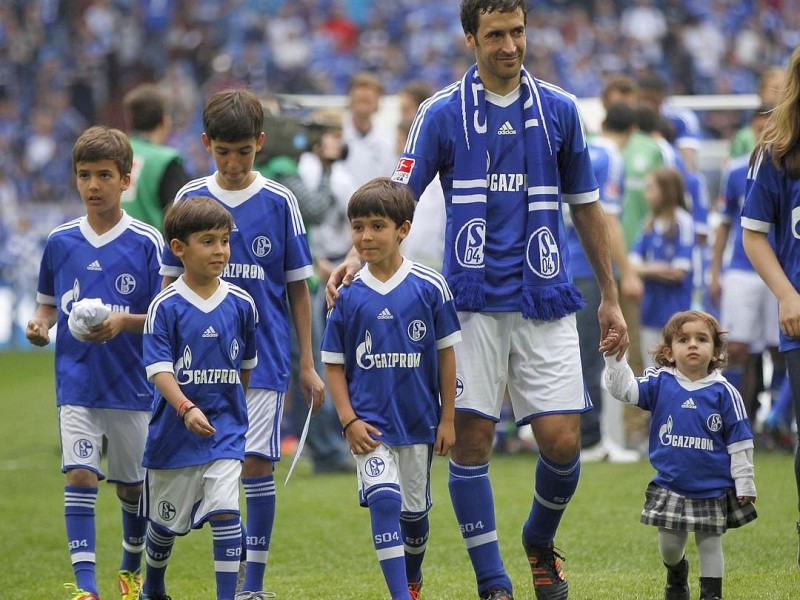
[[384, 511], [159, 549], [555, 484], [79, 503], [260, 500], [473, 503], [227, 537], [415, 528], [134, 533]]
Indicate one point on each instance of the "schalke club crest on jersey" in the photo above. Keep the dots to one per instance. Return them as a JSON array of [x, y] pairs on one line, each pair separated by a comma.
[[542, 253], [470, 244]]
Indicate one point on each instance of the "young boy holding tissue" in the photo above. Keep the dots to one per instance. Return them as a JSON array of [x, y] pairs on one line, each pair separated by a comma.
[[96, 279]]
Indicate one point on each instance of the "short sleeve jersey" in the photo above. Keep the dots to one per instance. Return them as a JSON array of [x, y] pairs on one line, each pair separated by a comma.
[[430, 148], [672, 245], [609, 172], [204, 343], [773, 202], [387, 335], [120, 267], [693, 428], [269, 249]]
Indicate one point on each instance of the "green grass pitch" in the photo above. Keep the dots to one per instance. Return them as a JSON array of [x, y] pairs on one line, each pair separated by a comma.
[[321, 547]]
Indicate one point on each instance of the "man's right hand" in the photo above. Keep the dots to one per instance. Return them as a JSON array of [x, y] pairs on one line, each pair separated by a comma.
[[341, 275]]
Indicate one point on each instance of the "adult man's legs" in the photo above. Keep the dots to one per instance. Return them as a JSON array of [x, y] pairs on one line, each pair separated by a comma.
[[473, 502], [557, 473]]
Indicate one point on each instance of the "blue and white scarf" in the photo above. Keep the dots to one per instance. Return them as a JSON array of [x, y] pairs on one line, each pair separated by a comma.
[[548, 293]]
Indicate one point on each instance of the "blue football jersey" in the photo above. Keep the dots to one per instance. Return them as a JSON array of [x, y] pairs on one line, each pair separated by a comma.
[[120, 267], [735, 185], [609, 171], [693, 428], [269, 249], [661, 300], [773, 202], [205, 343], [387, 335], [430, 148]]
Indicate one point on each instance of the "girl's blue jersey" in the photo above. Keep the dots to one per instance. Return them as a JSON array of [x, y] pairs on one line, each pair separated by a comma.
[[269, 249], [694, 427], [120, 267], [773, 202], [204, 343], [387, 335], [430, 148], [661, 300]]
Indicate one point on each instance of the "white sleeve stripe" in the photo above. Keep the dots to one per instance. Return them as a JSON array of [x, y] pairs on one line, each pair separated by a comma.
[[151, 311], [736, 399], [435, 279], [159, 367], [413, 135], [332, 358], [294, 210], [65, 226]]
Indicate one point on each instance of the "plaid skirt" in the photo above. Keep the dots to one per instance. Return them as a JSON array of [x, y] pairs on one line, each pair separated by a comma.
[[664, 508]]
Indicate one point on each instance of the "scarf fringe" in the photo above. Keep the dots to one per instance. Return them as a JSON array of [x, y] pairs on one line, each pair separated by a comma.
[[468, 291], [548, 303]]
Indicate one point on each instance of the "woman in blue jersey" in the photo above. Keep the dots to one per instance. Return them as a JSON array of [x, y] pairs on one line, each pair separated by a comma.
[[701, 447], [773, 200]]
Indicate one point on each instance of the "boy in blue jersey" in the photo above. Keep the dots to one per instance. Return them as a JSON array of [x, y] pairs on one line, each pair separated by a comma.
[[389, 358], [101, 390], [271, 260], [199, 336], [509, 149], [701, 447]]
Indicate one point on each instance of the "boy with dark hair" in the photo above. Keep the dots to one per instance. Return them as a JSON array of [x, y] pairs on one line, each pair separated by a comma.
[[270, 259], [105, 266], [388, 349], [200, 335]]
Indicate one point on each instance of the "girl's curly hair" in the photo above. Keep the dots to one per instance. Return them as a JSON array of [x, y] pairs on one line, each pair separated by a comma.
[[674, 326]]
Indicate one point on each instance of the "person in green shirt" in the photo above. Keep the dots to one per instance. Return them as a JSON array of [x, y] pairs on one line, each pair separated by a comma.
[[769, 88], [157, 174]]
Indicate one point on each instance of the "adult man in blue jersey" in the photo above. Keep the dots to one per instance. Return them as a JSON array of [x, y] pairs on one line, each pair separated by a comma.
[[508, 149]]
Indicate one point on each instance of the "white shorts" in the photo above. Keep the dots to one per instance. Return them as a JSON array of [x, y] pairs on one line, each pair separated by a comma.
[[649, 338], [183, 499], [82, 430], [407, 468], [538, 361], [264, 414], [749, 310]]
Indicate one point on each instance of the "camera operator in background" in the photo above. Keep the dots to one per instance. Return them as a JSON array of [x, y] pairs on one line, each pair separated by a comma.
[[307, 157]]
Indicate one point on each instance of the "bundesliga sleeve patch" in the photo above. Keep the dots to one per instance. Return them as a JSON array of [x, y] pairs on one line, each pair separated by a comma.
[[403, 171]]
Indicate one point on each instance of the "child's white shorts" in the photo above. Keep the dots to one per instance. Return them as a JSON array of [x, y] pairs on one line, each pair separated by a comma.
[[539, 362], [264, 413], [82, 430], [182, 499], [404, 469]]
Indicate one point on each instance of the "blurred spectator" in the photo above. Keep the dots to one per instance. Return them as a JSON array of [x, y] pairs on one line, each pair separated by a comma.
[[157, 172], [370, 151]]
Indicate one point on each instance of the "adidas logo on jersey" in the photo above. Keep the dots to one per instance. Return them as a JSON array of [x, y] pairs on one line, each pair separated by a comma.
[[506, 129], [209, 333], [385, 314], [689, 404], [94, 266]]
